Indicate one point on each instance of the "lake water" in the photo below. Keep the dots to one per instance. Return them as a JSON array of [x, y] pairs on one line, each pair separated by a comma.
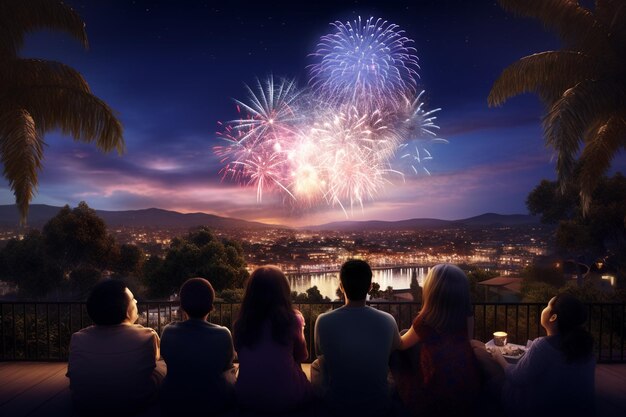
[[328, 282]]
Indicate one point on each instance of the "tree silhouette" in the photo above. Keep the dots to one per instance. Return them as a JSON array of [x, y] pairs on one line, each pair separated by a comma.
[[601, 234], [37, 96], [583, 85], [198, 254]]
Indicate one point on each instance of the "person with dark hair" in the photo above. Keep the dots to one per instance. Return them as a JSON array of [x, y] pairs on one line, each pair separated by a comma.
[[199, 356], [556, 375], [270, 343], [112, 364], [353, 344]]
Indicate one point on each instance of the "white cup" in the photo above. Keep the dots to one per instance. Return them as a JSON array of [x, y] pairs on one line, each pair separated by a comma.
[[499, 338]]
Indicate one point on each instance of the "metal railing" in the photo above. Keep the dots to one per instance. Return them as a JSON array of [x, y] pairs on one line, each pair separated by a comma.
[[41, 331]]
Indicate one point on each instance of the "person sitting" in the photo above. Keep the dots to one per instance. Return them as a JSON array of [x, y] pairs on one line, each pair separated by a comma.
[[556, 375], [199, 357], [112, 364], [353, 344], [270, 343], [446, 379]]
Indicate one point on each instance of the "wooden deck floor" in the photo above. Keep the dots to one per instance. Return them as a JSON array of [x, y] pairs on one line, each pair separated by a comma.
[[38, 389]]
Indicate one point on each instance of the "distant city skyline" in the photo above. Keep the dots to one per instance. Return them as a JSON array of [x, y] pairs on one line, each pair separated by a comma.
[[171, 71]]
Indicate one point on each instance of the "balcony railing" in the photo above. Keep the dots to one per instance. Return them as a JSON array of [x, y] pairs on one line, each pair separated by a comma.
[[41, 331]]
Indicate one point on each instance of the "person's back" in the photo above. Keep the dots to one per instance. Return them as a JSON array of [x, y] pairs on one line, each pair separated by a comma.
[[356, 343], [270, 343], [199, 357], [353, 344], [544, 384], [443, 377], [270, 375], [556, 375], [112, 364]]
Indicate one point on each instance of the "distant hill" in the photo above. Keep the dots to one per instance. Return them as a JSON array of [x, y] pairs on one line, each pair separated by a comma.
[[487, 219], [493, 219], [39, 214]]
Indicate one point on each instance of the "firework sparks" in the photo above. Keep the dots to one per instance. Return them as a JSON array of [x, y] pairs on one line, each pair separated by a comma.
[[419, 129], [338, 144], [271, 110], [365, 62]]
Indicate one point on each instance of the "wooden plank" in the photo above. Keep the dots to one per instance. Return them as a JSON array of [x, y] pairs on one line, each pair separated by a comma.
[[37, 395], [13, 370], [615, 370], [58, 406], [28, 377], [611, 390], [41, 389]]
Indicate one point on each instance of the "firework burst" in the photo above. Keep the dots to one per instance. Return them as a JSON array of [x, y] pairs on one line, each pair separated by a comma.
[[339, 144], [365, 62], [271, 109]]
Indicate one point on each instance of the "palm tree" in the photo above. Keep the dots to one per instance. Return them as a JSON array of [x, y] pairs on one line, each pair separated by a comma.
[[583, 85], [37, 96]]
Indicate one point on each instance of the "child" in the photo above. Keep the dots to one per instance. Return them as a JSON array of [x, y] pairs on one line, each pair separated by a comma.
[[446, 381], [112, 364], [269, 338], [199, 357], [556, 375]]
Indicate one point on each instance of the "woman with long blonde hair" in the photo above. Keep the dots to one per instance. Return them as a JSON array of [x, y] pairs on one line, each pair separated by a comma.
[[446, 379]]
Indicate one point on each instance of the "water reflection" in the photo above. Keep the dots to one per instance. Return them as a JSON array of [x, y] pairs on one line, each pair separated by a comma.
[[328, 282]]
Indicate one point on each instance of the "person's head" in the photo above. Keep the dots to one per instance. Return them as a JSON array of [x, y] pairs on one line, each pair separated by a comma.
[[563, 313], [111, 302], [196, 297], [267, 296], [446, 298], [565, 316], [356, 279]]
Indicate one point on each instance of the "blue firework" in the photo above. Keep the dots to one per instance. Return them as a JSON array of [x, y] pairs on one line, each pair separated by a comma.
[[367, 60]]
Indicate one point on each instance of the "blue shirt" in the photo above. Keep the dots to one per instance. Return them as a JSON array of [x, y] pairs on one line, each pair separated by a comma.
[[355, 344]]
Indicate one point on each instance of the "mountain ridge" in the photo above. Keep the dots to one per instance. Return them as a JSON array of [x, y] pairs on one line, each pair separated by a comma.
[[39, 214]]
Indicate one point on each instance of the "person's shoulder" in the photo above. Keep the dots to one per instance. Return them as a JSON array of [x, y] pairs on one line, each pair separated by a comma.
[[540, 343], [83, 334], [85, 330], [381, 315], [171, 327], [328, 315], [544, 345], [217, 329], [142, 331]]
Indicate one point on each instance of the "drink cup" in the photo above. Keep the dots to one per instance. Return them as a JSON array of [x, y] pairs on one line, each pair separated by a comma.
[[499, 338]]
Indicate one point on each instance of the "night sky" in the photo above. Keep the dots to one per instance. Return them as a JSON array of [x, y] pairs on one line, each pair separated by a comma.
[[171, 69]]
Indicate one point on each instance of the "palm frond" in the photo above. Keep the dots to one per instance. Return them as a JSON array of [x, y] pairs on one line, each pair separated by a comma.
[[18, 17], [612, 14], [75, 112], [547, 74], [601, 146], [21, 152], [574, 114], [18, 73], [574, 24]]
